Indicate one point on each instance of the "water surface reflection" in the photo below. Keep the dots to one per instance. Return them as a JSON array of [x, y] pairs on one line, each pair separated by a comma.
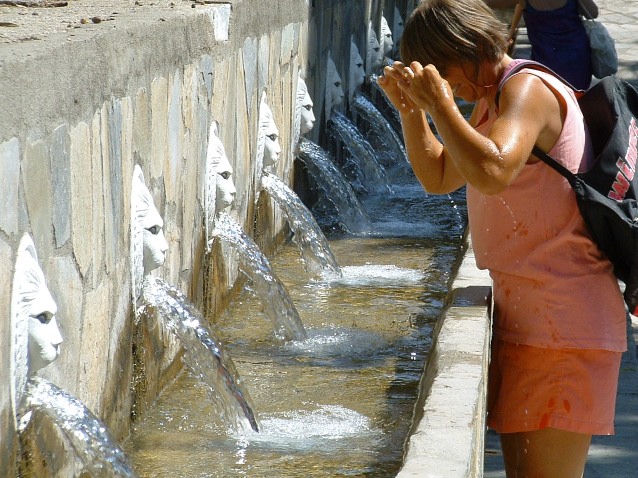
[[336, 404]]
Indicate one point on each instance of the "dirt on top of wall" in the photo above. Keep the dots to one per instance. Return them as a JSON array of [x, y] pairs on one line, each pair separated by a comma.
[[26, 24]]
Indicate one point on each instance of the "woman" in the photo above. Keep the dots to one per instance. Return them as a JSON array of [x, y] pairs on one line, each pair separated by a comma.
[[559, 319], [557, 36]]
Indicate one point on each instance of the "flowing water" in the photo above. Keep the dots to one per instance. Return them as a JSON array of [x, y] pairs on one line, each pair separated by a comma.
[[386, 142], [335, 188], [204, 355], [315, 251], [275, 300], [362, 167], [383, 103], [339, 402], [89, 439]]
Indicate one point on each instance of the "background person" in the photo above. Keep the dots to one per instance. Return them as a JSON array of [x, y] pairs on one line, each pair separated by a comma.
[[556, 34]]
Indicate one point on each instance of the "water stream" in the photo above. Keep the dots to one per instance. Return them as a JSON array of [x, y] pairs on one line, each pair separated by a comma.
[[204, 354], [335, 188], [338, 402], [361, 166], [275, 300], [89, 439], [315, 252], [386, 142]]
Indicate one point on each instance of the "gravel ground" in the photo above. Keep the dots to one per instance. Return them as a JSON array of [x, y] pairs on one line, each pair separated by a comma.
[[28, 21]]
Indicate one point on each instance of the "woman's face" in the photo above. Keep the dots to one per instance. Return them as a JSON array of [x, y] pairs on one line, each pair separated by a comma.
[[462, 86]]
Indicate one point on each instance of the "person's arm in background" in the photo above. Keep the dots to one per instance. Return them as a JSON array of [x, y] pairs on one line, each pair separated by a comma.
[[587, 8], [516, 17]]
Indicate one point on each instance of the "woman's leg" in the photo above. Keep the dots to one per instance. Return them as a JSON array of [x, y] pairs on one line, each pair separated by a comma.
[[546, 453]]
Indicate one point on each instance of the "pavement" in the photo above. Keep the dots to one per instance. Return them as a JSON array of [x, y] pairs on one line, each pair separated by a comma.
[[613, 456]]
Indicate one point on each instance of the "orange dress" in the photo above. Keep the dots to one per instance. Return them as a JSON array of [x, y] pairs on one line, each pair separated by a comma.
[[553, 287], [559, 318]]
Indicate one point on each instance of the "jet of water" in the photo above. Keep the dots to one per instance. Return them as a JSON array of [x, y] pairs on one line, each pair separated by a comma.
[[89, 438], [380, 133], [315, 250], [204, 354], [337, 189], [370, 174], [278, 305]]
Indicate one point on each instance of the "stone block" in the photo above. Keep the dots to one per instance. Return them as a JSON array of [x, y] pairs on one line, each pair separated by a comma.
[[37, 182], [159, 127], [7, 431], [10, 185], [93, 351], [65, 284], [60, 170], [220, 18], [173, 161], [97, 178], [82, 209]]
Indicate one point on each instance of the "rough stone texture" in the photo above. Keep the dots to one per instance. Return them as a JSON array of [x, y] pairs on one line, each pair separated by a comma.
[[447, 439], [97, 227], [88, 101], [9, 182], [60, 171], [36, 178], [70, 300], [82, 210], [8, 437]]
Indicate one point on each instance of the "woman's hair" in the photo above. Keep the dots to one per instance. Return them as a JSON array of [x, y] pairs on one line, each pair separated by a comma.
[[453, 32]]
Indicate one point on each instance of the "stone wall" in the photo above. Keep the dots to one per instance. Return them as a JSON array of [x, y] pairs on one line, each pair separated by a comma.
[[80, 111]]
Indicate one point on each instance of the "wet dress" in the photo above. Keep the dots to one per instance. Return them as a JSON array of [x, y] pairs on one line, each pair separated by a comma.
[[559, 323], [553, 288]]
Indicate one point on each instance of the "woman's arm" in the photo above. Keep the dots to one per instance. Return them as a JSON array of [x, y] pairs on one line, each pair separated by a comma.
[[425, 152], [529, 114], [428, 156]]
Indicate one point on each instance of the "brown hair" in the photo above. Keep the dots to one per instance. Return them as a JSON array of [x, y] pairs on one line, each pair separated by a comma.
[[453, 32]]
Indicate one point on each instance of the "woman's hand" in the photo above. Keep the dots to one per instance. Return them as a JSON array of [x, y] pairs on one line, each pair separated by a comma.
[[415, 87], [394, 82], [426, 88]]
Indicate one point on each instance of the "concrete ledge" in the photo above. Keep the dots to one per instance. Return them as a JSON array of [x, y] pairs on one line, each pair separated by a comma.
[[447, 439]]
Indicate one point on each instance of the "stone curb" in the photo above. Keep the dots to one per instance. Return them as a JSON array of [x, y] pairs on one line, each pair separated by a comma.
[[448, 433]]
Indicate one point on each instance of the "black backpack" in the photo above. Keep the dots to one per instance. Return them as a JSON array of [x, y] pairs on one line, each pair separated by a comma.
[[607, 193]]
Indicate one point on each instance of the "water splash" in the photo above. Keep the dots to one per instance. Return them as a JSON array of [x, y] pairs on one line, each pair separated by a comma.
[[365, 172], [457, 212], [88, 436], [278, 306], [204, 354], [380, 133], [317, 256], [379, 276], [337, 189], [326, 426], [382, 101], [336, 346]]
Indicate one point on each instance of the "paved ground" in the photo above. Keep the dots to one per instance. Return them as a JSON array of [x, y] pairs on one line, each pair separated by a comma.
[[610, 456]]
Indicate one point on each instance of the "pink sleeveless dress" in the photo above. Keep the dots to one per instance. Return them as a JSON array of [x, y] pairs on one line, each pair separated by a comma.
[[552, 286]]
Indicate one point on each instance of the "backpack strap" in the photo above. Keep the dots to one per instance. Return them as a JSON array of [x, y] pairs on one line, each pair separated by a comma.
[[539, 153]]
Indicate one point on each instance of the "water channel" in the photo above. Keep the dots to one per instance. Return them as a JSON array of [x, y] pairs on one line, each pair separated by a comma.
[[340, 402]]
